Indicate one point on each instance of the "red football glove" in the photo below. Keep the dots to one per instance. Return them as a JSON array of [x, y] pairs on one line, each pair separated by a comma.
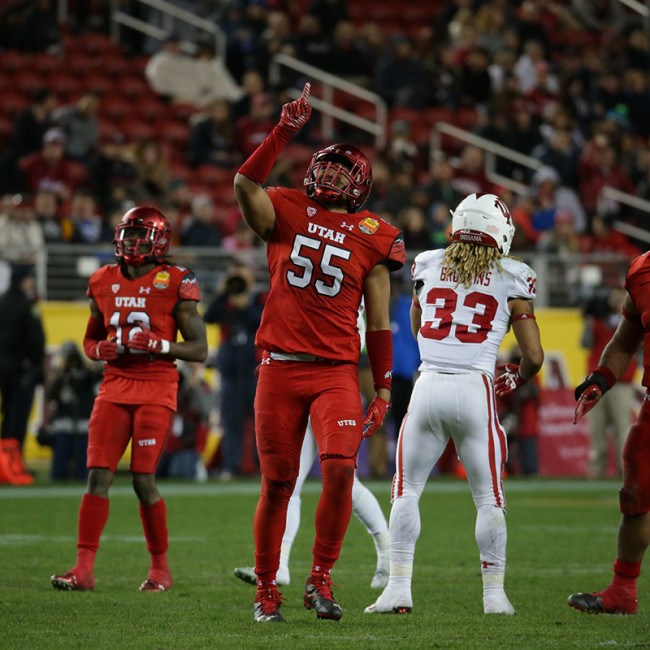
[[510, 379], [588, 399], [296, 114], [147, 341], [105, 350], [374, 416]]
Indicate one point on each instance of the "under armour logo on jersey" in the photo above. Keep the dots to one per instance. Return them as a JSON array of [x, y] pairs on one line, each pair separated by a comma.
[[145, 289], [311, 211], [347, 226], [266, 361]]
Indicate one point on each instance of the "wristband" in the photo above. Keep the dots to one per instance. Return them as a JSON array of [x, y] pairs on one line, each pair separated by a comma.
[[525, 316], [164, 346], [606, 374], [379, 345]]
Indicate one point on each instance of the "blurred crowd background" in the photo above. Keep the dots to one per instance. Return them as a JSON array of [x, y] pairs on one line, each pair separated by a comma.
[[107, 104]]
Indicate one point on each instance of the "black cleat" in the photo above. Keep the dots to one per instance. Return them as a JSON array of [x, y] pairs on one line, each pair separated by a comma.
[[593, 604], [266, 608], [319, 597]]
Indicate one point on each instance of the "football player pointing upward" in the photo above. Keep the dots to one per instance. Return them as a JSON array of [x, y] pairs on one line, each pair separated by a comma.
[[465, 299], [137, 306], [324, 256]]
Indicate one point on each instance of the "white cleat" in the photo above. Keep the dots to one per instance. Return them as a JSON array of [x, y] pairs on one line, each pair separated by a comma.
[[497, 604], [380, 579], [247, 574], [391, 603]]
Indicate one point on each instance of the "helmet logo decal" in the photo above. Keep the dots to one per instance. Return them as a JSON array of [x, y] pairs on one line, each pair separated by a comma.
[[369, 226], [161, 280], [311, 211]]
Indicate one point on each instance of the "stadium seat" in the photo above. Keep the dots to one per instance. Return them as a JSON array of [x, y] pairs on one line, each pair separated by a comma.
[[212, 175], [151, 107], [133, 86], [115, 107], [175, 132], [45, 64], [100, 83], [136, 128], [65, 84], [27, 81], [14, 103]]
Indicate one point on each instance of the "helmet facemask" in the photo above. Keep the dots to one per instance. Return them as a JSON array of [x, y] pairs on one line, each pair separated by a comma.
[[339, 176], [142, 237]]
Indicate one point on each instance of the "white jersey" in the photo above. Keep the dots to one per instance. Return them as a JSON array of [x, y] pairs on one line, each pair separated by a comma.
[[462, 327]]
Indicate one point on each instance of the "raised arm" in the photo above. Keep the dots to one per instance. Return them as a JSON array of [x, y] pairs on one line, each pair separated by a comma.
[[256, 206]]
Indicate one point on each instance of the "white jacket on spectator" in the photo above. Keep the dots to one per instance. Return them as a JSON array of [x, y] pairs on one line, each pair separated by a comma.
[[195, 81]]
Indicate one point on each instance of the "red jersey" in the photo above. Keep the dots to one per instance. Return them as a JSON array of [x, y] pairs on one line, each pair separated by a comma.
[[319, 261], [637, 283], [125, 302]]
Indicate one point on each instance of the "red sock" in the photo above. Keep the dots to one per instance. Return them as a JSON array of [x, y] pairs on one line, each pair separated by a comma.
[[625, 575], [268, 528], [333, 512], [154, 522], [93, 515]]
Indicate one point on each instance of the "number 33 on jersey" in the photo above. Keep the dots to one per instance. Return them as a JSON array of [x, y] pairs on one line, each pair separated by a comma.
[[467, 324]]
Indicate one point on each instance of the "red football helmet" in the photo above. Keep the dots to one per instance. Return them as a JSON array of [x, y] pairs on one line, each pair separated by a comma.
[[143, 235], [339, 175]]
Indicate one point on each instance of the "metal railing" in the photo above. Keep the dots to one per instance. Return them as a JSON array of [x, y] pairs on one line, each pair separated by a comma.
[[170, 12], [69, 266], [326, 105], [492, 150]]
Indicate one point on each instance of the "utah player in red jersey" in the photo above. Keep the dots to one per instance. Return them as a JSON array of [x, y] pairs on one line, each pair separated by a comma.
[[633, 330], [137, 307], [324, 256]]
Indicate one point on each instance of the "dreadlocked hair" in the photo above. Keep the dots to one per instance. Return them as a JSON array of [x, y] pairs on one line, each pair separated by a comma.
[[470, 260]]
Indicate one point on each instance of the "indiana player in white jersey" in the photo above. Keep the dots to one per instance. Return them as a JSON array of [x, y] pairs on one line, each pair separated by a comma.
[[364, 505], [465, 299]]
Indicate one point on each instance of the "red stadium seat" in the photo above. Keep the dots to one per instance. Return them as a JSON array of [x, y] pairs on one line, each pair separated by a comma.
[[151, 107], [175, 132], [65, 84], [136, 128], [100, 83], [14, 103], [133, 86], [212, 175], [27, 81], [46, 64], [115, 107]]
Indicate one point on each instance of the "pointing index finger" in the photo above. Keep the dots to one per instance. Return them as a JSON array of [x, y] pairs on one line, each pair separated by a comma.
[[305, 91]]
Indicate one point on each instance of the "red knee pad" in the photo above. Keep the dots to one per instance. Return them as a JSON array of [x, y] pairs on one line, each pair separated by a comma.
[[634, 500]]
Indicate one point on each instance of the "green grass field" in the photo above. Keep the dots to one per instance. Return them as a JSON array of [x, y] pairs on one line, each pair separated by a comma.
[[561, 539]]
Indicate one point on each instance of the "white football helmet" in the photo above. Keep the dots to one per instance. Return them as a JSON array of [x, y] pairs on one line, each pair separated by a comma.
[[483, 219]]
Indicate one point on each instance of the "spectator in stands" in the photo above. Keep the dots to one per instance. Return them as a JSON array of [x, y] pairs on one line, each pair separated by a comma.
[[237, 309], [440, 188], [69, 394], [469, 174], [637, 100], [252, 84], [310, 43], [50, 168], [189, 427], [47, 209], [398, 77], [549, 196], [599, 167], [152, 170], [242, 239], [212, 138], [560, 153], [599, 15], [528, 67], [80, 126], [401, 148], [199, 228], [412, 221], [329, 13], [251, 129], [603, 238], [21, 237], [347, 58], [112, 171], [194, 80], [31, 124], [88, 227], [562, 239], [474, 81]]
